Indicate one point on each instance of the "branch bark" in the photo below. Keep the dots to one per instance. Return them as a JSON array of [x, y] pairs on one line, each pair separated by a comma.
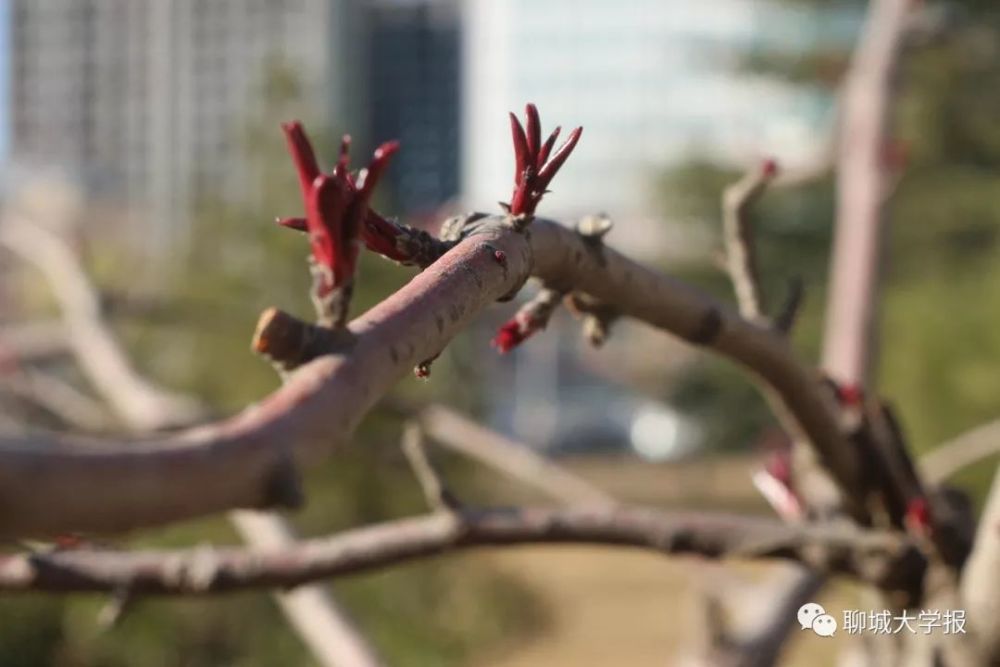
[[980, 585], [967, 448], [882, 559], [861, 186], [57, 484]]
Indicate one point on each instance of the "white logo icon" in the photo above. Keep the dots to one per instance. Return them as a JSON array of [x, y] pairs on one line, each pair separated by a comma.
[[813, 617]]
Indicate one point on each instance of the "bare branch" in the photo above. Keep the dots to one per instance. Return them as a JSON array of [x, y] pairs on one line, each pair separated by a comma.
[[323, 625], [437, 494], [55, 484], [861, 183], [965, 449], [741, 251], [59, 398], [980, 585], [882, 559], [517, 460], [142, 405], [32, 342]]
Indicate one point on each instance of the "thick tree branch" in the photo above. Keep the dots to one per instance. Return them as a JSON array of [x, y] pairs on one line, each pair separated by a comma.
[[861, 184], [56, 484], [882, 559], [980, 586], [311, 610]]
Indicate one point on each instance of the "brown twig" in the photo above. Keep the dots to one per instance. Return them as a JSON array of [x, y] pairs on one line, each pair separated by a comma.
[[741, 250], [881, 559], [516, 460], [431, 483], [980, 583]]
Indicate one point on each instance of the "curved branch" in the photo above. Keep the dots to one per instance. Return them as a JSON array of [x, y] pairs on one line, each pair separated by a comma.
[[141, 405], [54, 484], [965, 449], [881, 559]]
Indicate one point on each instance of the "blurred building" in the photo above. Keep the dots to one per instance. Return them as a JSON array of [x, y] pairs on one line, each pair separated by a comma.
[[142, 99], [414, 55], [653, 82]]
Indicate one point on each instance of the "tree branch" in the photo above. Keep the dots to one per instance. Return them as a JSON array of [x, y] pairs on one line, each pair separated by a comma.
[[327, 630], [461, 434], [861, 184], [741, 249], [980, 585], [965, 449], [882, 559], [56, 484], [139, 403]]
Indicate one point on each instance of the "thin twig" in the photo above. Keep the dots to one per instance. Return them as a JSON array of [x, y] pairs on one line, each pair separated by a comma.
[[741, 250], [961, 451], [881, 559], [437, 494]]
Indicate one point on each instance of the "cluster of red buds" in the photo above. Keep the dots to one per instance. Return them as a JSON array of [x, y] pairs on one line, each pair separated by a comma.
[[533, 167], [336, 206]]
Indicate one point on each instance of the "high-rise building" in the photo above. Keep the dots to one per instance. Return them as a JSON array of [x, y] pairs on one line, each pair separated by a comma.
[[414, 56], [141, 99], [653, 82]]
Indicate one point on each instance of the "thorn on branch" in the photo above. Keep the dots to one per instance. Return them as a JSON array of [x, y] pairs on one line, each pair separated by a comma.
[[530, 318], [431, 483], [533, 166], [592, 230]]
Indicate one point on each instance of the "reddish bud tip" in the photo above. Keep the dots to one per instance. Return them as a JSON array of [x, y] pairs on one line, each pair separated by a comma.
[[849, 395], [918, 515], [422, 371], [500, 256], [298, 224], [769, 168], [508, 337]]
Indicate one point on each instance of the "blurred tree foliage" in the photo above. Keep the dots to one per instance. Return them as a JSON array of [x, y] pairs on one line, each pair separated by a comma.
[[426, 614], [939, 352]]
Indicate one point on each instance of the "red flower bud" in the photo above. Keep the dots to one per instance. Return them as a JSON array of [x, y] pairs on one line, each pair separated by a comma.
[[336, 205], [533, 170]]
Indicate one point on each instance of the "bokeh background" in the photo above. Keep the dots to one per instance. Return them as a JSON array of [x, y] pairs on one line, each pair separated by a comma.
[[146, 132]]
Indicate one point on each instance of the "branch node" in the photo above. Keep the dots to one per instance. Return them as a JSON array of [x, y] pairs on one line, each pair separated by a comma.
[[592, 230], [288, 342], [597, 316]]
